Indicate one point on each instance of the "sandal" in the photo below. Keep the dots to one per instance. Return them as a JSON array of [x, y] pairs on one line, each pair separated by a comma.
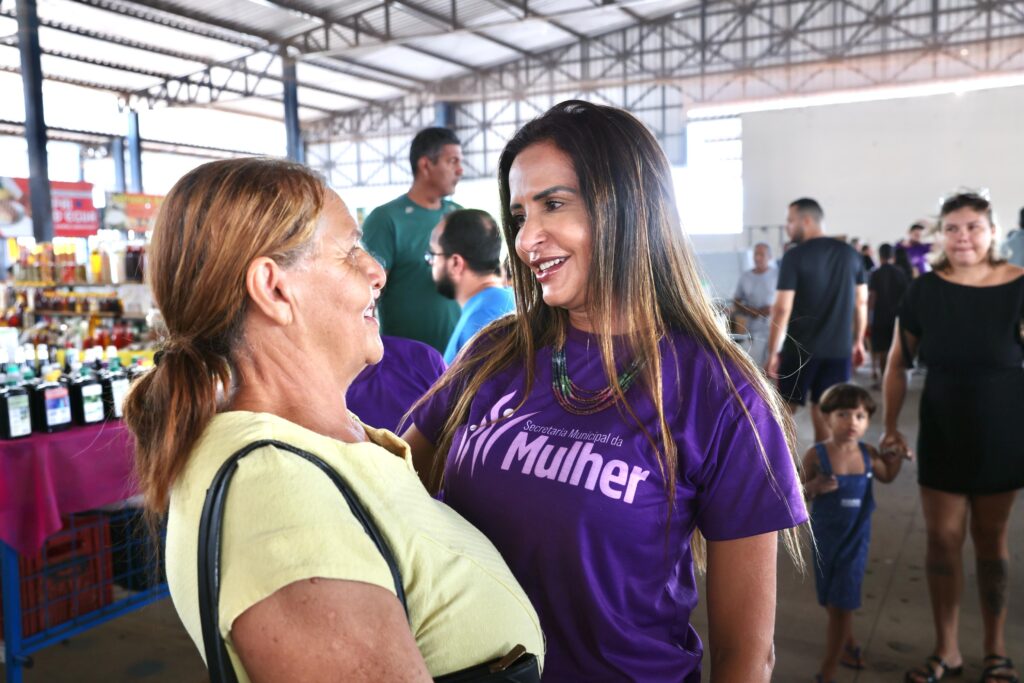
[[853, 658], [928, 674], [999, 668]]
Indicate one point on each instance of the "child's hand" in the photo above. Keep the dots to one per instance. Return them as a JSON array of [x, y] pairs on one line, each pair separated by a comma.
[[821, 485], [891, 456]]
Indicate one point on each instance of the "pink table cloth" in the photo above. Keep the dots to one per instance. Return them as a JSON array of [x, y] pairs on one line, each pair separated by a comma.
[[45, 476]]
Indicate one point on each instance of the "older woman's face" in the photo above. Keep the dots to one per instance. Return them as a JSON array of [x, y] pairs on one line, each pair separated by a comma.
[[341, 283], [966, 237], [553, 235]]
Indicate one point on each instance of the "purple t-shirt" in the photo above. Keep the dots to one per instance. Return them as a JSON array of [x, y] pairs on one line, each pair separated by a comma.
[[577, 506], [382, 393], [917, 254]]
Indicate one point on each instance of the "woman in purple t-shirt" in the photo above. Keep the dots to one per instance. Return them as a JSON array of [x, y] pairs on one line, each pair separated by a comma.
[[592, 436]]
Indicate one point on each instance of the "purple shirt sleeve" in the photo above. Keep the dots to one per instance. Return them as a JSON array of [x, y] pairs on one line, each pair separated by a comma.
[[738, 496], [429, 417]]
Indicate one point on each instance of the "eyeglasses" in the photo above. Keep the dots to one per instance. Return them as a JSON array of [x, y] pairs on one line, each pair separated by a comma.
[[429, 256]]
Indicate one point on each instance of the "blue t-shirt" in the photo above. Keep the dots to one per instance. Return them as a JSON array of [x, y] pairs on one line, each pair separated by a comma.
[[577, 506], [485, 306]]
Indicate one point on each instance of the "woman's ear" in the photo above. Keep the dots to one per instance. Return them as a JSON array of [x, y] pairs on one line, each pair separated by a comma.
[[270, 291]]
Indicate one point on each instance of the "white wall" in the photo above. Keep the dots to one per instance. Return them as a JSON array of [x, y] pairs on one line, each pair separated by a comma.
[[878, 166]]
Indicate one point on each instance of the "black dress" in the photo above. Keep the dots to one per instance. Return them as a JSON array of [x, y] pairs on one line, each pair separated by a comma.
[[971, 437]]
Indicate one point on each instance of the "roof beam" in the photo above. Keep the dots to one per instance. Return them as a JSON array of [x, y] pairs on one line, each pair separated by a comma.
[[306, 43], [114, 40], [171, 19], [125, 42], [117, 66], [265, 43], [100, 138], [453, 24], [174, 89], [524, 7]]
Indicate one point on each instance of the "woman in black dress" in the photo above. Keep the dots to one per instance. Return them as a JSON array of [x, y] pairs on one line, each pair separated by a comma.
[[963, 320]]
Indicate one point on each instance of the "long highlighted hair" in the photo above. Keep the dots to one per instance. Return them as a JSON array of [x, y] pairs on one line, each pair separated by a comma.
[[213, 223], [648, 277]]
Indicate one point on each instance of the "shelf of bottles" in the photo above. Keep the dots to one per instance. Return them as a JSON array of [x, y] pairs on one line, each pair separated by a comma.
[[47, 390], [72, 278], [73, 331]]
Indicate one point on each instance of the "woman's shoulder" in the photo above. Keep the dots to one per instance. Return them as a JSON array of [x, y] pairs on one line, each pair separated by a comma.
[[1009, 272], [1002, 275], [717, 380], [270, 438]]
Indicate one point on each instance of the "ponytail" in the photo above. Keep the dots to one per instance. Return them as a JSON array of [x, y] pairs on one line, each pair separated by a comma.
[[167, 410]]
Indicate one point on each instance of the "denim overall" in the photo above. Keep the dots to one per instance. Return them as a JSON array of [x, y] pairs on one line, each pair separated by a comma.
[[841, 522]]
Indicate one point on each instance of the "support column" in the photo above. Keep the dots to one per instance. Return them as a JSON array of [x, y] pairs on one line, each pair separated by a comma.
[[134, 150], [35, 123], [117, 154], [296, 149]]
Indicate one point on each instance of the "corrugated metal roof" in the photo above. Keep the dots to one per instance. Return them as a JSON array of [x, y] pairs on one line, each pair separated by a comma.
[[349, 53], [468, 48]]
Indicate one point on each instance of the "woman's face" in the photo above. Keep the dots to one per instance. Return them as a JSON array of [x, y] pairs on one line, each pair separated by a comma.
[[967, 237], [339, 287], [553, 233]]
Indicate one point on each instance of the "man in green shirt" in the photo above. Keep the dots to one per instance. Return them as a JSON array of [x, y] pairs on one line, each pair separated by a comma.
[[398, 235]]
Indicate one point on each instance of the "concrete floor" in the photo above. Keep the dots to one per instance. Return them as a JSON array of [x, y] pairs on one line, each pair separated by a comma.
[[894, 624]]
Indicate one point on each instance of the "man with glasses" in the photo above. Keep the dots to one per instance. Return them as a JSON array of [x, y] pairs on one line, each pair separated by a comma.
[[398, 233], [465, 260]]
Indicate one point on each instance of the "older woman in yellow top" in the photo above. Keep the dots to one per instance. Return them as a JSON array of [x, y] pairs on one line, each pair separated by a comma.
[[269, 297]]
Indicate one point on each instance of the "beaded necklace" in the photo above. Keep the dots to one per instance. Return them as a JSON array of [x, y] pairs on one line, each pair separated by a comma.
[[581, 401]]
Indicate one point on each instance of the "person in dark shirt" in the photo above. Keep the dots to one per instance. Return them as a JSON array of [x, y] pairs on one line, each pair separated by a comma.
[[902, 261], [821, 306], [869, 260], [885, 291], [963, 320]]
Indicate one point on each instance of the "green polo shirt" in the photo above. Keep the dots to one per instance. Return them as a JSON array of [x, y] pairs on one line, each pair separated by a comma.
[[398, 234]]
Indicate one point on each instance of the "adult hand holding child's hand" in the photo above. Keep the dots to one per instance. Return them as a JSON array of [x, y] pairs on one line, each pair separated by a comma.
[[894, 443]]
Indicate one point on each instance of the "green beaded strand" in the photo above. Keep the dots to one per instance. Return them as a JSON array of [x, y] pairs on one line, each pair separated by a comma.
[[581, 401]]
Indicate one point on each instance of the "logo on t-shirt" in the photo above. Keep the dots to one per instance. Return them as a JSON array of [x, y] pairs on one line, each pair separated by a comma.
[[532, 452]]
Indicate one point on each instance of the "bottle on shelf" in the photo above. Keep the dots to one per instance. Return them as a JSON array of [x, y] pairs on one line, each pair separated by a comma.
[[71, 362], [86, 392], [115, 386], [42, 359], [24, 371], [137, 369], [15, 410], [51, 405]]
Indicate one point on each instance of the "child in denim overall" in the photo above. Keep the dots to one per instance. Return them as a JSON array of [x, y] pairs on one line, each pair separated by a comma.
[[837, 479]]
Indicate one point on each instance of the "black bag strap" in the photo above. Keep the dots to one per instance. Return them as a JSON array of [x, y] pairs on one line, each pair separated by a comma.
[[210, 524]]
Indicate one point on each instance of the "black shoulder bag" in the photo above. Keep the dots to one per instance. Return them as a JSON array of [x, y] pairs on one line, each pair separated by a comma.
[[518, 666]]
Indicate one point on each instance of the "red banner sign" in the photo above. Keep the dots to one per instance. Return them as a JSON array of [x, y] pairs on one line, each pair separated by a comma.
[[74, 214]]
